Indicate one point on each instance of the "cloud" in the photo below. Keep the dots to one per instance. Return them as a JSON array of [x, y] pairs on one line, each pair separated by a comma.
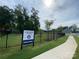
[[65, 11]]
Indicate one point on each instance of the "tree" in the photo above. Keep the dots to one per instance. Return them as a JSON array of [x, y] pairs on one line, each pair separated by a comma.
[[6, 21], [19, 18], [23, 19], [47, 25], [35, 19], [60, 29], [6, 18], [27, 20]]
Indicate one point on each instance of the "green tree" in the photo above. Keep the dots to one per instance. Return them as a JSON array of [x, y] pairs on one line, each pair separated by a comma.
[[19, 18], [35, 19], [6, 21], [23, 19], [6, 18], [61, 28], [27, 20], [47, 25]]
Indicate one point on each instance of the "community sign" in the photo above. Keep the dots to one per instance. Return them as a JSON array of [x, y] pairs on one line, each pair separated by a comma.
[[28, 36]]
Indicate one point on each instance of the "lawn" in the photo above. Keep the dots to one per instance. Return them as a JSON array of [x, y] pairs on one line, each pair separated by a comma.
[[29, 51], [76, 56]]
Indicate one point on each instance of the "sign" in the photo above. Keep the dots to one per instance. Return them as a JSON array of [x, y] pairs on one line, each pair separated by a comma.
[[28, 36]]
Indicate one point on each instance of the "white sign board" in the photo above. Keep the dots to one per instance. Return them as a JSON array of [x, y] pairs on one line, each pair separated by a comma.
[[28, 35]]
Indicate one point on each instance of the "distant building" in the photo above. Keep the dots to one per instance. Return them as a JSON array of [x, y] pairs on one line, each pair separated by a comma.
[[77, 30], [71, 29]]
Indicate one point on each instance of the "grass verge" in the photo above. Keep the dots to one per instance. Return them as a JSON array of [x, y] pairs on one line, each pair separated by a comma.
[[29, 51], [76, 56]]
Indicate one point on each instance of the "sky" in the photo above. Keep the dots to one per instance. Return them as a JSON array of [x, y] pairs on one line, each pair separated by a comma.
[[63, 12]]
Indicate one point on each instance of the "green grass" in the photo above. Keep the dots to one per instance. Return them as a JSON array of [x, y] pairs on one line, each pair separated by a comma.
[[13, 39], [28, 51], [76, 56]]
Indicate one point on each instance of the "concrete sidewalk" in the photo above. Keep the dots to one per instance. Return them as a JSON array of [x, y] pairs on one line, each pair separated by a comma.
[[64, 51]]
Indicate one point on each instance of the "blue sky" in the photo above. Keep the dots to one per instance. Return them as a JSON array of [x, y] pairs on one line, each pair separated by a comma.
[[63, 12]]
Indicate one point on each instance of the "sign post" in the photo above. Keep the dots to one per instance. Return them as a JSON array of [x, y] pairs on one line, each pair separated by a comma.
[[27, 37]]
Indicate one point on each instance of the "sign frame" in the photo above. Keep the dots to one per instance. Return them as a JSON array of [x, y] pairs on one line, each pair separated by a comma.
[[27, 41]]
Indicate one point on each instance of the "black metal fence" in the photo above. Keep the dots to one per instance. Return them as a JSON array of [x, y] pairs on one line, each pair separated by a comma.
[[14, 39]]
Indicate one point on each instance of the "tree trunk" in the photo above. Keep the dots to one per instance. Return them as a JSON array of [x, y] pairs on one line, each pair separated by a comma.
[[6, 40], [40, 36]]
